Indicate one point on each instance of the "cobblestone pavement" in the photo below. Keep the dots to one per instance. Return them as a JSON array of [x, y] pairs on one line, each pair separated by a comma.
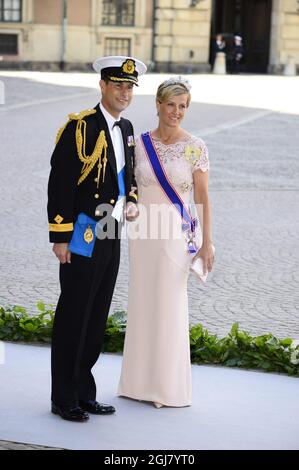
[[254, 188]]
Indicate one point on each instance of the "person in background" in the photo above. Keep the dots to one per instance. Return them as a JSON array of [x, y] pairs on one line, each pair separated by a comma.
[[238, 54], [218, 45]]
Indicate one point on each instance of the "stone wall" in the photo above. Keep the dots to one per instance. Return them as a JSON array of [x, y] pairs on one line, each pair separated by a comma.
[[182, 35], [179, 42], [284, 44], [40, 34]]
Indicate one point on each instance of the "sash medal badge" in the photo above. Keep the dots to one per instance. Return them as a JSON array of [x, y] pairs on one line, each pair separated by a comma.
[[88, 235]]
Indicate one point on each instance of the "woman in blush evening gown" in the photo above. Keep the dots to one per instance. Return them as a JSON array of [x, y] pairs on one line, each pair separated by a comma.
[[156, 360]]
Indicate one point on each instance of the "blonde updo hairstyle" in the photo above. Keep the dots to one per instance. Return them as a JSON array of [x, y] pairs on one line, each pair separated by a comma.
[[173, 87]]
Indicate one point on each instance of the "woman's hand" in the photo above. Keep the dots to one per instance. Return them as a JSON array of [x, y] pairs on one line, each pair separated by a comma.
[[206, 253]]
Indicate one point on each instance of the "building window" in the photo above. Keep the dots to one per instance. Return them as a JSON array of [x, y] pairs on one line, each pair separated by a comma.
[[9, 44], [119, 12], [117, 46], [11, 10]]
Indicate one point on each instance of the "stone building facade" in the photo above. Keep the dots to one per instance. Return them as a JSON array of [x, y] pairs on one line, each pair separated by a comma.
[[169, 35]]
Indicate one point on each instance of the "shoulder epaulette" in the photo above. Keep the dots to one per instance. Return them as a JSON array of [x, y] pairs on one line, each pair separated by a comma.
[[74, 117], [99, 154], [82, 114]]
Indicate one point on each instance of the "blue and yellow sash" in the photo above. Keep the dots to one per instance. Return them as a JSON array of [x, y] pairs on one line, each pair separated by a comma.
[[83, 239]]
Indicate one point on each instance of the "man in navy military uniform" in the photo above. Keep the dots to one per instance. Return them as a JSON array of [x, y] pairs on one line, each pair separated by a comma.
[[91, 187]]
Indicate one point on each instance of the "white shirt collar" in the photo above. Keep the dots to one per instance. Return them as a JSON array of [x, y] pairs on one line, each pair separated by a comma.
[[109, 119]]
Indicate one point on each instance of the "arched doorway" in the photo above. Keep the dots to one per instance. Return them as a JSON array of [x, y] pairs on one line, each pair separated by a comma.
[[252, 20]]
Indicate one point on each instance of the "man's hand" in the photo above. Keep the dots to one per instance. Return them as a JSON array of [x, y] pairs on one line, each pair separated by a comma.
[[131, 211], [62, 252]]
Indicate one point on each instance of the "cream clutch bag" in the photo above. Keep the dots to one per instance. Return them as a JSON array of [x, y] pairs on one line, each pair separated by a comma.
[[197, 268]]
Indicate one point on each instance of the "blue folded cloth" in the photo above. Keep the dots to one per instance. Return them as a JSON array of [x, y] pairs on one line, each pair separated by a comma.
[[83, 239]]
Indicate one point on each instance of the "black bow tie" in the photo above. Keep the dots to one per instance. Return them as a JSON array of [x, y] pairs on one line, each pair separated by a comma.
[[117, 123]]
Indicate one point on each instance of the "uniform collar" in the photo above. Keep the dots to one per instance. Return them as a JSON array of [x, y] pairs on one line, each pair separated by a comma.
[[109, 119]]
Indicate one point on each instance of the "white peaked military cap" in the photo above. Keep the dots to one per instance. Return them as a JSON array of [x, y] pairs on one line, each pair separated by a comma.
[[120, 68]]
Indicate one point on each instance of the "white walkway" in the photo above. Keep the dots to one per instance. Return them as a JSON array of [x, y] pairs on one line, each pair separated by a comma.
[[232, 409]]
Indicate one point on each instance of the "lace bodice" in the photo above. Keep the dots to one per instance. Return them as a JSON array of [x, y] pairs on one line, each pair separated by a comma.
[[180, 161]]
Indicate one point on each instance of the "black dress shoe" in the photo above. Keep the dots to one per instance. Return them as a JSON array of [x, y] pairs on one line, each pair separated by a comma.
[[70, 413], [97, 408]]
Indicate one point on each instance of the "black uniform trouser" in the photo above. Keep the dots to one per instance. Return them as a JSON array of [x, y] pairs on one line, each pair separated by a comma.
[[87, 286]]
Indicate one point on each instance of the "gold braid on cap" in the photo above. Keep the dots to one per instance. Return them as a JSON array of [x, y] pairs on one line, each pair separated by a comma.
[[89, 161]]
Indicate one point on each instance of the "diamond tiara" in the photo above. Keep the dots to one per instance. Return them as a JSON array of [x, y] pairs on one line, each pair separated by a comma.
[[179, 80]]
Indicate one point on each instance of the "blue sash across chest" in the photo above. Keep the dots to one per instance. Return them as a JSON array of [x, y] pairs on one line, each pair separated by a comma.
[[188, 222]]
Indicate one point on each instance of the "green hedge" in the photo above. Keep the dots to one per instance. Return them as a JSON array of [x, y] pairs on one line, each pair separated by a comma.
[[237, 349]]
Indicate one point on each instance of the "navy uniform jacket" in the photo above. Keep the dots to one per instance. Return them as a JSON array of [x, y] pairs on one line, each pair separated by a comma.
[[76, 183]]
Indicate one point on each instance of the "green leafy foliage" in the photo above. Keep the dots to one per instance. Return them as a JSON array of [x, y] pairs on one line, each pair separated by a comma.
[[115, 332], [17, 325], [237, 349]]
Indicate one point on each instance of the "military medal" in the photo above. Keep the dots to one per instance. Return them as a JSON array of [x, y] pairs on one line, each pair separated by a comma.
[[88, 235], [131, 142]]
